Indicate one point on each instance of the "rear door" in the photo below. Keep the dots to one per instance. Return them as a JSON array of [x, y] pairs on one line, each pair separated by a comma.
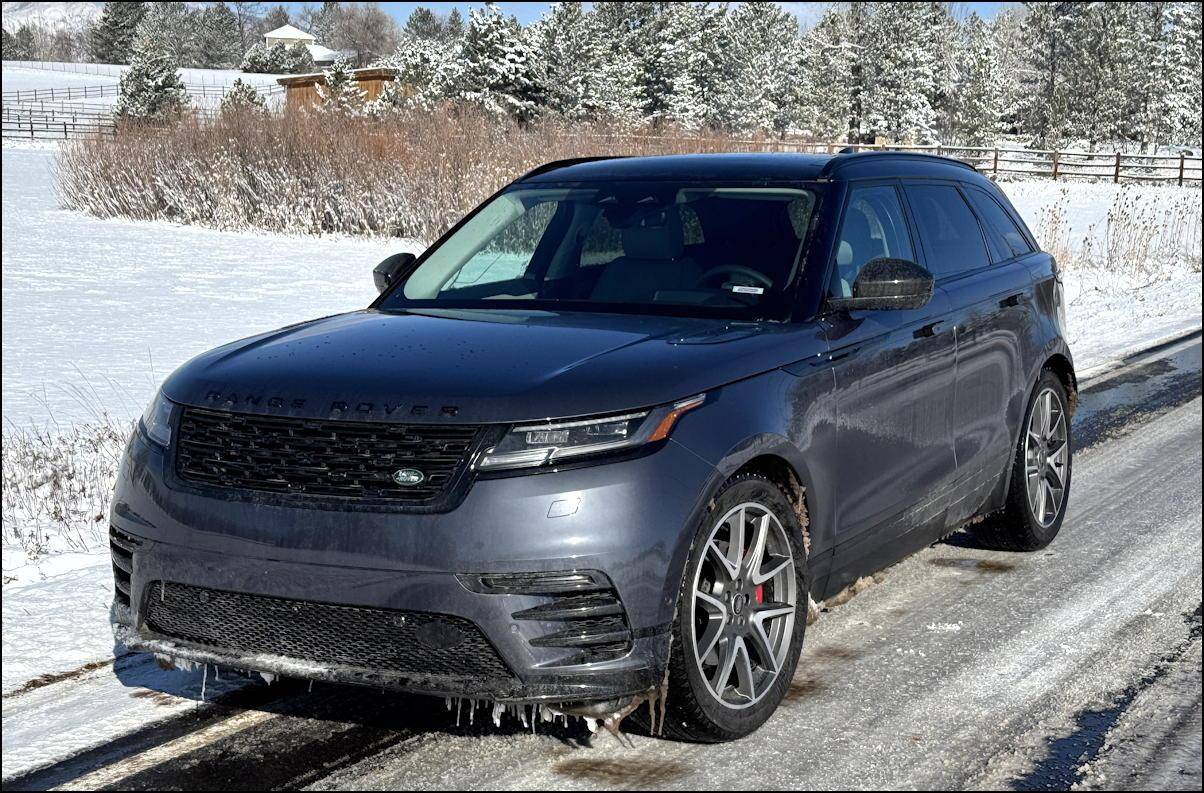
[[893, 384], [979, 264]]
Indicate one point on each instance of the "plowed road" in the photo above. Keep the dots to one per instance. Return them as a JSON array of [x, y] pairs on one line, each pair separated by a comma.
[[958, 668]]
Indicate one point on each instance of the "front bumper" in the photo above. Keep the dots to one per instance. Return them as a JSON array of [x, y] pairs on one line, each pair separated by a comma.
[[631, 520]]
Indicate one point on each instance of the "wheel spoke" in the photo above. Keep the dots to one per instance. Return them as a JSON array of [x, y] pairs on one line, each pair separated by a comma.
[[1057, 463], [725, 566], [745, 684], [735, 544], [723, 670], [716, 615], [759, 638], [770, 567], [756, 550]]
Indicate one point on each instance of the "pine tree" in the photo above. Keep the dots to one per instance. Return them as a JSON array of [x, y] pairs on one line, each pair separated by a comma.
[[111, 39], [901, 69], [976, 102], [765, 68], [242, 98], [1045, 86], [151, 89], [174, 25], [341, 92], [427, 71], [828, 56], [567, 49], [217, 43], [498, 66]]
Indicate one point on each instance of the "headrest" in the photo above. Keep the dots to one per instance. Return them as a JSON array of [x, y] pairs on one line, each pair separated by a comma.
[[657, 236]]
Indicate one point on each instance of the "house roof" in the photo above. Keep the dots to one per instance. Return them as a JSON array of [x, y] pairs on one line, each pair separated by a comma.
[[320, 53], [289, 32]]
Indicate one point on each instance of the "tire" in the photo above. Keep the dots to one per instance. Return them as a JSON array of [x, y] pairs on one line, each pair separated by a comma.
[[693, 711], [1019, 527]]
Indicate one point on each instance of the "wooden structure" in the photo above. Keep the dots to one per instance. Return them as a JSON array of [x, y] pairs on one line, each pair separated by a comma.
[[301, 90]]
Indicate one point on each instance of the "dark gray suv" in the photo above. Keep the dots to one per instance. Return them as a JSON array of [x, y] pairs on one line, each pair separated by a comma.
[[608, 435]]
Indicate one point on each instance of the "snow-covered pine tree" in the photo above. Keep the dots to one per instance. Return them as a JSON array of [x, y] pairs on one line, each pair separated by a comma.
[[765, 68], [1167, 101], [427, 70], [498, 65], [976, 102], [695, 49], [341, 92], [1102, 47], [111, 39], [242, 98], [1045, 87], [567, 49], [828, 56], [296, 59], [217, 45], [901, 74], [151, 89], [1184, 104], [175, 25], [622, 37], [262, 59]]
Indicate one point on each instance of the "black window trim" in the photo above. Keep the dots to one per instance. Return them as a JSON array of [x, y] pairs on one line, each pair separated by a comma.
[[983, 223]]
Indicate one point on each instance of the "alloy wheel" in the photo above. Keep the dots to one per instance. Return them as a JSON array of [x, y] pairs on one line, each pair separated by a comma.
[[1046, 454], [743, 605]]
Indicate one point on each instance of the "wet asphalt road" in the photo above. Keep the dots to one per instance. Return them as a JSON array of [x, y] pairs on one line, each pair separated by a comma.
[[959, 668]]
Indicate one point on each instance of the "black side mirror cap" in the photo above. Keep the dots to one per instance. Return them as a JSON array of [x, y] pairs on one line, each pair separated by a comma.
[[885, 284], [392, 268]]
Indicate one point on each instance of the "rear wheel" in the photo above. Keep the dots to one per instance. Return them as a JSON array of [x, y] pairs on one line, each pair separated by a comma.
[[1040, 485], [741, 614]]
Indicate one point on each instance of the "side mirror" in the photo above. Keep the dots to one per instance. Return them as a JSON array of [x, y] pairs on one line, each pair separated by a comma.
[[888, 284], [385, 273]]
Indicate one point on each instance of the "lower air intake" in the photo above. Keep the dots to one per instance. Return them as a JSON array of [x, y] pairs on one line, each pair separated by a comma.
[[409, 643]]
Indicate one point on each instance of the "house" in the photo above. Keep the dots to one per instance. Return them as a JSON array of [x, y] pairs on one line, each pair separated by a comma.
[[301, 90], [289, 35]]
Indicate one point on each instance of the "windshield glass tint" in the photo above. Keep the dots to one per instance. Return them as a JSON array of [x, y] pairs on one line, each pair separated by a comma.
[[621, 246]]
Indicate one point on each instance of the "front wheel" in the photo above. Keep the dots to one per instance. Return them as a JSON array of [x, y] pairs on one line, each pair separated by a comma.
[[741, 614], [1040, 485]]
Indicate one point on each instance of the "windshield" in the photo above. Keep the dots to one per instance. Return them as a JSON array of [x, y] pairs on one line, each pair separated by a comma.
[[644, 247]]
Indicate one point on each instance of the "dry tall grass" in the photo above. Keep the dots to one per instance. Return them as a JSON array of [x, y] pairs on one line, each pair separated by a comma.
[[411, 176]]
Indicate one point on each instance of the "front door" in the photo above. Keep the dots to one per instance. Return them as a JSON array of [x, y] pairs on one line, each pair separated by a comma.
[[893, 373]]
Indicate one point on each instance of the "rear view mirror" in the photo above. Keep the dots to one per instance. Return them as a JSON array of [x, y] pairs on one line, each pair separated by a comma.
[[388, 271], [888, 284]]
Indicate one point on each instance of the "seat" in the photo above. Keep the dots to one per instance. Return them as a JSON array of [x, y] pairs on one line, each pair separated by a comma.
[[857, 246], [652, 261]]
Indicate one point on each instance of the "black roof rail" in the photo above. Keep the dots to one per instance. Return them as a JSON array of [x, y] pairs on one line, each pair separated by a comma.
[[845, 155], [556, 164]]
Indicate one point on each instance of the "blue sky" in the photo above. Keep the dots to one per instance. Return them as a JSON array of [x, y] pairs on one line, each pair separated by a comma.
[[529, 12]]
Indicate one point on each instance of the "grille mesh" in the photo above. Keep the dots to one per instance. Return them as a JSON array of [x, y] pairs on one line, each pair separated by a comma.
[[402, 642], [319, 458]]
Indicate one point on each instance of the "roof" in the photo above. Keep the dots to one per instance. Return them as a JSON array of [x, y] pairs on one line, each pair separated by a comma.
[[759, 166], [377, 73], [289, 32], [320, 53]]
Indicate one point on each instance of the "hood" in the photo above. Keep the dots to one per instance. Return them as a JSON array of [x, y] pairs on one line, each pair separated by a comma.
[[482, 366]]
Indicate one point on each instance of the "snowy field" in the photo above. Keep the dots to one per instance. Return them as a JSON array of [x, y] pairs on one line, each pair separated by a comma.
[[96, 312], [18, 78]]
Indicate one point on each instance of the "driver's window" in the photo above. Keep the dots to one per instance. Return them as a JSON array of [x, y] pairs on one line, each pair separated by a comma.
[[508, 255], [873, 228]]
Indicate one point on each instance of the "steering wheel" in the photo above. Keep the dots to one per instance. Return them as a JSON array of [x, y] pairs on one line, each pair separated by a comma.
[[735, 269]]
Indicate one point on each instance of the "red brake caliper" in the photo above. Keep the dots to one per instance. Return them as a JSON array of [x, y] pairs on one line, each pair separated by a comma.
[[760, 593]]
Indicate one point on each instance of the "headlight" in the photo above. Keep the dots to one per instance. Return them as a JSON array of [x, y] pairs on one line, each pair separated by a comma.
[[156, 419], [530, 445]]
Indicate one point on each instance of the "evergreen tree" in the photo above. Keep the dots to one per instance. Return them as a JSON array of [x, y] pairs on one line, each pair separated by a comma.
[[151, 89], [174, 25], [976, 102], [765, 68], [111, 39], [828, 56], [1045, 86], [242, 98], [340, 91], [902, 71], [498, 63], [424, 23], [217, 43], [568, 52]]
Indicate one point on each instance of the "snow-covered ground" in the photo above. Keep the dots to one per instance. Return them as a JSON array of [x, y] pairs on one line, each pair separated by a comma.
[[96, 312], [204, 85]]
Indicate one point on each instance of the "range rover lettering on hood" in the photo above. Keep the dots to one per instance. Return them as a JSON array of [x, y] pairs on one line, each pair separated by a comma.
[[337, 408]]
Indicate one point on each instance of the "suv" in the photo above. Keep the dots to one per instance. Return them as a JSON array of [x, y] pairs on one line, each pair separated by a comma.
[[608, 437]]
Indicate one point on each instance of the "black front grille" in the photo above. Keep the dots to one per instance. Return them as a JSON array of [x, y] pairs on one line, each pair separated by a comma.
[[411, 643], [307, 457]]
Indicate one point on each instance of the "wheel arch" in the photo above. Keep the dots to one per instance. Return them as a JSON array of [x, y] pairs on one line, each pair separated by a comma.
[[1061, 366]]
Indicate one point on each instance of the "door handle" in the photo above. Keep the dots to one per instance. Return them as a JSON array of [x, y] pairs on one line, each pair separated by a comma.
[[1012, 300], [929, 330]]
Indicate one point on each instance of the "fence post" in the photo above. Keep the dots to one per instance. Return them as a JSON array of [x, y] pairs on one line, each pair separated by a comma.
[[1055, 165], [31, 127], [64, 130], [1182, 157], [1116, 170], [995, 163]]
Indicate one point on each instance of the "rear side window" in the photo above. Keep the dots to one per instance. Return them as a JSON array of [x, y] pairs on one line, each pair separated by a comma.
[[1003, 231], [948, 228], [873, 228]]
